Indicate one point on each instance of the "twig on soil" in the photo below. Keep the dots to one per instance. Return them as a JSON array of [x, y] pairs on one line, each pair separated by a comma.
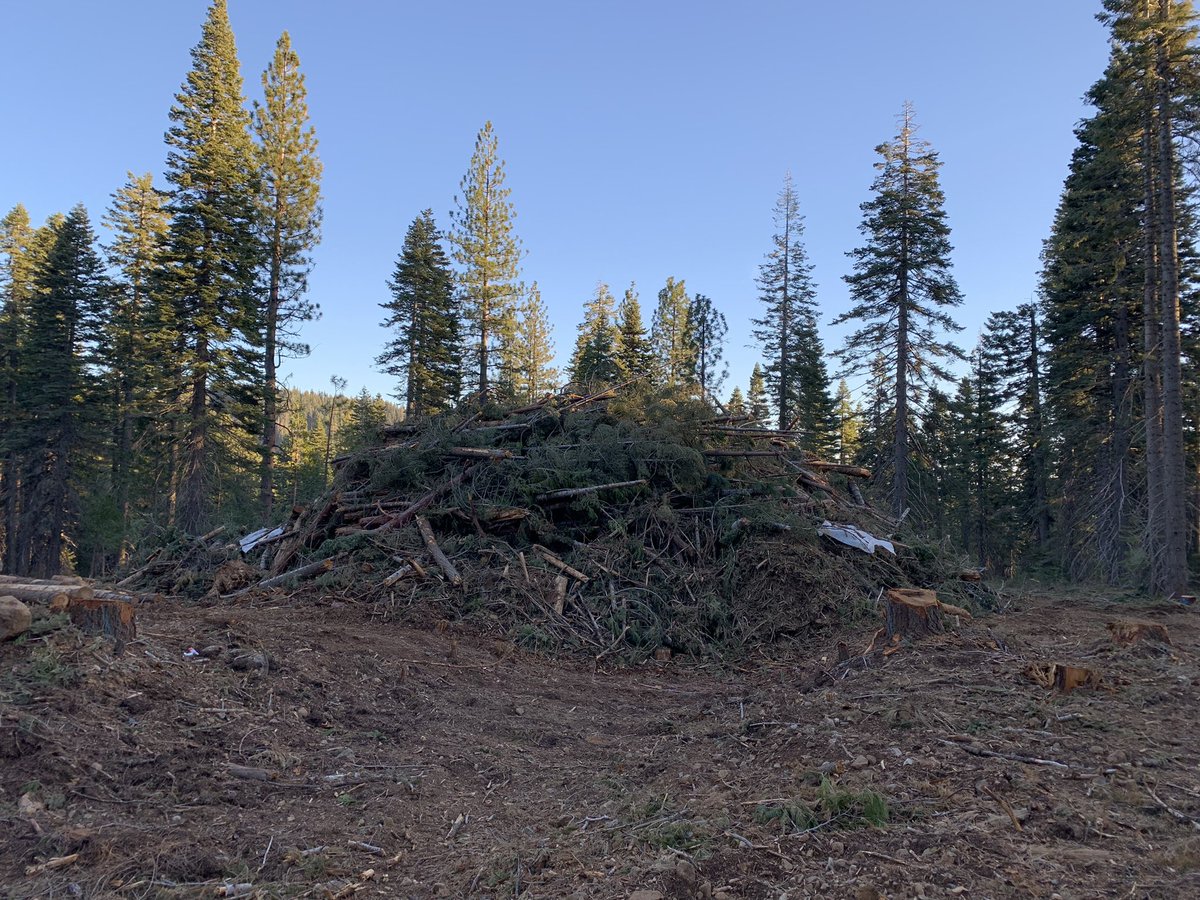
[[1004, 804], [1182, 817], [976, 750]]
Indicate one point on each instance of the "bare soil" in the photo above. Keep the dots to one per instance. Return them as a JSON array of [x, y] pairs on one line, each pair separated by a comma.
[[314, 750]]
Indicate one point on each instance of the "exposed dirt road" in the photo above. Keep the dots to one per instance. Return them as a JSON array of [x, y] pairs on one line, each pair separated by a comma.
[[316, 751]]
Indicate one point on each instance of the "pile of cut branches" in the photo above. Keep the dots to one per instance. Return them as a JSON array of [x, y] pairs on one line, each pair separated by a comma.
[[589, 522]]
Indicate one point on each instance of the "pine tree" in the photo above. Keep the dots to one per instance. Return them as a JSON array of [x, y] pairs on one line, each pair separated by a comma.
[[17, 287], [366, 415], [25, 249], [212, 263], [139, 225], [672, 337], [849, 424], [902, 283], [488, 254], [425, 350], [708, 336], [1154, 54], [756, 397], [791, 344], [290, 211], [635, 355], [533, 349], [594, 361], [62, 387], [737, 402]]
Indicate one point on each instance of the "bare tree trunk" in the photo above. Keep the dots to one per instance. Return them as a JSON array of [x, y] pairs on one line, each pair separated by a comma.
[[1151, 368], [193, 499], [266, 487], [1174, 486], [1040, 464]]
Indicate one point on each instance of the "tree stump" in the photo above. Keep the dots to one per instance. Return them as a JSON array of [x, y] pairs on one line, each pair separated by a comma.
[[913, 613], [114, 619], [1132, 631]]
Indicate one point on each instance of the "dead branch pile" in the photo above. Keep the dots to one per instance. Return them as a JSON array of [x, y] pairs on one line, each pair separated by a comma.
[[586, 522]]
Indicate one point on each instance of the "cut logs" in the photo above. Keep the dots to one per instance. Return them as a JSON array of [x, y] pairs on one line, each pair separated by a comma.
[[15, 618]]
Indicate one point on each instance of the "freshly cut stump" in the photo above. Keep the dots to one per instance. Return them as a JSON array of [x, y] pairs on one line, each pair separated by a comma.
[[913, 613], [114, 619], [1131, 631]]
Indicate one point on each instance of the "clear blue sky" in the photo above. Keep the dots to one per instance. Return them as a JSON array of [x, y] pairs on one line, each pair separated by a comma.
[[642, 139]]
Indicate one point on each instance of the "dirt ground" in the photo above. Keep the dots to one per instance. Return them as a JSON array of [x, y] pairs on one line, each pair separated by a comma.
[[313, 750]]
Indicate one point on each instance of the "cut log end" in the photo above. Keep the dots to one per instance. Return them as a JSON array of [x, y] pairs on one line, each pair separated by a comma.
[[913, 613]]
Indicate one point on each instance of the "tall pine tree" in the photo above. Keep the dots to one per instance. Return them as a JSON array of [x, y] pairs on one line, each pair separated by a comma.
[[672, 337], [425, 350], [902, 284], [787, 332], [213, 260], [488, 254], [139, 225], [635, 355], [594, 361], [290, 209], [63, 389], [534, 374]]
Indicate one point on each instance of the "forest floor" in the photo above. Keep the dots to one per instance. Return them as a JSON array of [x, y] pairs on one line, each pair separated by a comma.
[[315, 750]]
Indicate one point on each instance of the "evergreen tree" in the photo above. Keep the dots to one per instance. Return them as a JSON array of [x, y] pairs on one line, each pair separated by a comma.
[[708, 335], [16, 291], [425, 350], [635, 355], [902, 283], [212, 261], [795, 371], [849, 423], [62, 388], [533, 350], [367, 413], [673, 338], [290, 211], [488, 254], [737, 402], [139, 225], [26, 250], [594, 361], [756, 397], [1154, 54]]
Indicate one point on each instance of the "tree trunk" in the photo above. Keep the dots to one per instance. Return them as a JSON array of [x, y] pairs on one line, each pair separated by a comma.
[[1174, 482], [266, 487], [1151, 371]]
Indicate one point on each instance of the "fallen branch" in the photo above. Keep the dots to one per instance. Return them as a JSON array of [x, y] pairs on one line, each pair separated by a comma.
[[569, 493], [303, 572], [435, 551], [478, 453], [559, 564], [976, 750], [401, 519], [56, 862]]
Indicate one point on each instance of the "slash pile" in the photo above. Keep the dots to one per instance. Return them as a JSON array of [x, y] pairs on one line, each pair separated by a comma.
[[590, 523]]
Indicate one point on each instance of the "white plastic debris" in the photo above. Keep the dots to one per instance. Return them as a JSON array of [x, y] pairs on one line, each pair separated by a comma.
[[855, 537], [250, 541]]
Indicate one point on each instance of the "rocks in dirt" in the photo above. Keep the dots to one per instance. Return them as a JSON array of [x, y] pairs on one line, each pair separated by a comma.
[[29, 805], [646, 895], [15, 618], [860, 762]]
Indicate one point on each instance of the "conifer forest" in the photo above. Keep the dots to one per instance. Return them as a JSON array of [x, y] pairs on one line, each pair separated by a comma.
[[904, 612]]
